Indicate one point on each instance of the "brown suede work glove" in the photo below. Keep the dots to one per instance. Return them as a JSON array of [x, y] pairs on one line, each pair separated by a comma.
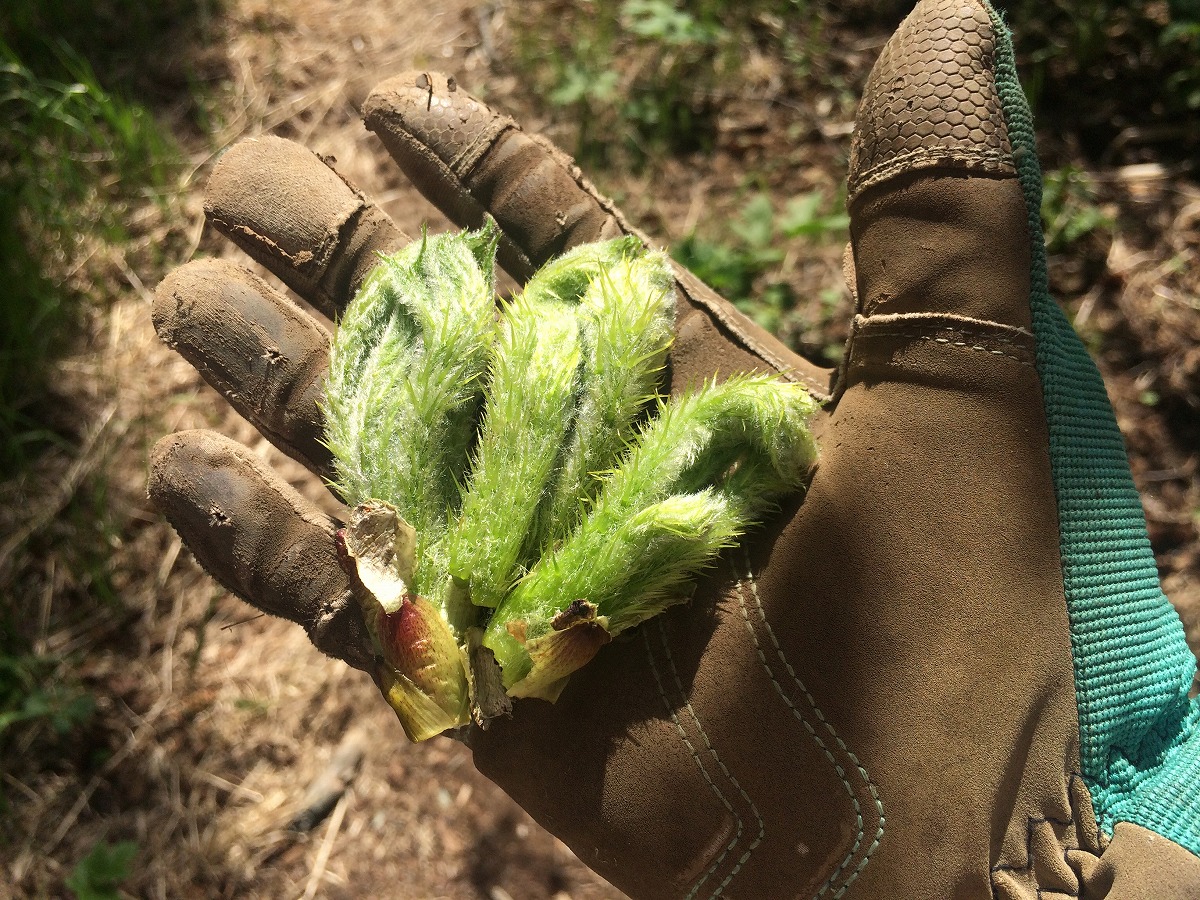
[[876, 697]]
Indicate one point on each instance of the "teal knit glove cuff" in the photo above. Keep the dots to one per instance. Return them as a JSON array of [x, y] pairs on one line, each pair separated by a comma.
[[1139, 732]]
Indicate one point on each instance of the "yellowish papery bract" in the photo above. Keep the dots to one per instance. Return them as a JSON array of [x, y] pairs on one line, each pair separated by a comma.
[[522, 493]]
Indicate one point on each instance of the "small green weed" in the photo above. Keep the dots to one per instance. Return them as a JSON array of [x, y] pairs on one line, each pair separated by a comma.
[[804, 217], [98, 875], [746, 268], [31, 693], [650, 74], [732, 266], [1070, 208], [252, 706]]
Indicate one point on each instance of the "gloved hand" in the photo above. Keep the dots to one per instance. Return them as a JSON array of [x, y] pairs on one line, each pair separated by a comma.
[[949, 671]]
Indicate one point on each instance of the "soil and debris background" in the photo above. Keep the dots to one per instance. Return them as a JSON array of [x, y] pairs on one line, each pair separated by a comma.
[[157, 738]]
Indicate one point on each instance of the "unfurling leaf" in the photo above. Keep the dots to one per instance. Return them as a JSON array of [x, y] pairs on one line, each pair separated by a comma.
[[420, 667]]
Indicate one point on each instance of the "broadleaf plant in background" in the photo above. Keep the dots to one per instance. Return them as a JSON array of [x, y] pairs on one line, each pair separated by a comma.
[[521, 492], [98, 876]]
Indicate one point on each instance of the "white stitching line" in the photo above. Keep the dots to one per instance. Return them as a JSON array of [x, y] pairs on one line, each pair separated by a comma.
[[946, 341], [762, 828], [813, 734], [936, 340], [833, 733], [695, 756], [841, 744], [984, 339]]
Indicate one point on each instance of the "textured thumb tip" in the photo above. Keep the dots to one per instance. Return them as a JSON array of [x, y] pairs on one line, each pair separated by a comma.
[[931, 100]]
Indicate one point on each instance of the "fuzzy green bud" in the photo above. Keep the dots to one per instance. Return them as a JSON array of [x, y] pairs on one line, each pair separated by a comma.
[[700, 474], [627, 314], [519, 500], [406, 375], [530, 398]]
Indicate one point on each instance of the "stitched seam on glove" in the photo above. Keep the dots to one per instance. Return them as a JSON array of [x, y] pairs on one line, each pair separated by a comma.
[[990, 162], [1028, 870], [762, 829], [716, 864], [926, 322], [942, 341], [941, 330], [750, 580], [951, 332]]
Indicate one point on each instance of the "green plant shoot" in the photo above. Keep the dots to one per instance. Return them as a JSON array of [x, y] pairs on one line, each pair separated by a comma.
[[527, 416], [625, 314], [701, 473], [521, 492]]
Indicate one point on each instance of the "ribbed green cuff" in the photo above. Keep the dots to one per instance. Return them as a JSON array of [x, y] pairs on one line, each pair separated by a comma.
[[1139, 733]]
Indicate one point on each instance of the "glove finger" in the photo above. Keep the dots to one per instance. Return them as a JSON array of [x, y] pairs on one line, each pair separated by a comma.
[[258, 538], [938, 215], [259, 349], [292, 212], [469, 160]]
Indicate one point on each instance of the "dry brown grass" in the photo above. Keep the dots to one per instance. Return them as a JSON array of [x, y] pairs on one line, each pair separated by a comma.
[[212, 722]]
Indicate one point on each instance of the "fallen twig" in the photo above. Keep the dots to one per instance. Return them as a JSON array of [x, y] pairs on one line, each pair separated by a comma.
[[330, 786]]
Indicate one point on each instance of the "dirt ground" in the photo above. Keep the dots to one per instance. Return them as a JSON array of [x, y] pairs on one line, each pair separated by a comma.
[[213, 723]]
